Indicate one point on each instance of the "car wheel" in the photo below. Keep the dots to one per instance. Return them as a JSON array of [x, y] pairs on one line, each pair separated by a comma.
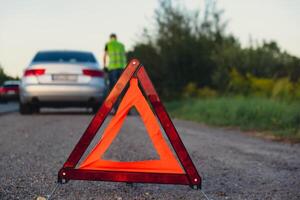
[[35, 109], [25, 108]]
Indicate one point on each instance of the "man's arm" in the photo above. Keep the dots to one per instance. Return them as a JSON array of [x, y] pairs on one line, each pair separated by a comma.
[[104, 58]]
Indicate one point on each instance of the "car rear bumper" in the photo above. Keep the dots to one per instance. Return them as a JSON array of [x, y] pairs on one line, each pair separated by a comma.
[[8, 97], [45, 94]]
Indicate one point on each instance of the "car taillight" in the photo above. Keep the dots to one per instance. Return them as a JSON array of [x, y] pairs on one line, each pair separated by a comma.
[[93, 72], [34, 72], [3, 90]]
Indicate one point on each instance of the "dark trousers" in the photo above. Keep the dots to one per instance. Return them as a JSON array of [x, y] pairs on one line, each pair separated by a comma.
[[113, 76]]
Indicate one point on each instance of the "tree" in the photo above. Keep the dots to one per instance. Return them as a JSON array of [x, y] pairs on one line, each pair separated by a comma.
[[4, 77], [179, 51], [186, 47]]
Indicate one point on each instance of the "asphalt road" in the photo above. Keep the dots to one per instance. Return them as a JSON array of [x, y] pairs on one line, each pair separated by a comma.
[[233, 165]]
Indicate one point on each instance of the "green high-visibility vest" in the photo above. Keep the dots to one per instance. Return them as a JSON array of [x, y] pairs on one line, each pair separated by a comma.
[[116, 53]]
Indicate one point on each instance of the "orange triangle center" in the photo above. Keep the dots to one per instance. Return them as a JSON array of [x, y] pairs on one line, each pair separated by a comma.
[[167, 162]]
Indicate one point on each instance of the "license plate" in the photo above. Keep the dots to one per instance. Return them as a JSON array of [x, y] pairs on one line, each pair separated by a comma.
[[64, 77], [11, 92]]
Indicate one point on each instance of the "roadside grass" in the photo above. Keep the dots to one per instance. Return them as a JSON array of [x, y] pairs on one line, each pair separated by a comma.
[[278, 118]]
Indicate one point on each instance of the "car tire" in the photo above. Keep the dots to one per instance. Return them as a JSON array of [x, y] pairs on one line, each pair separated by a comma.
[[25, 108], [35, 109]]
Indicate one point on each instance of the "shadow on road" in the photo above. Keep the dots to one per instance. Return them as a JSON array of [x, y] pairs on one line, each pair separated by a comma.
[[67, 111]]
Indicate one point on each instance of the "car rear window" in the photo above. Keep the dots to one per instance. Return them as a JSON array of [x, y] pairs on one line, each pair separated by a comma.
[[10, 86], [64, 57]]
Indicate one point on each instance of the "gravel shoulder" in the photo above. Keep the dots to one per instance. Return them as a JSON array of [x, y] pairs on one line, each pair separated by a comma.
[[233, 165]]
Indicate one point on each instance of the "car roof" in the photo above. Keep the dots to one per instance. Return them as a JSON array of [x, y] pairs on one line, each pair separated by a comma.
[[64, 51]]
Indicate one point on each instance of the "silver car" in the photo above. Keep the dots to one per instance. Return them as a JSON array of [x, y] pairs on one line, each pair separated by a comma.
[[62, 79]]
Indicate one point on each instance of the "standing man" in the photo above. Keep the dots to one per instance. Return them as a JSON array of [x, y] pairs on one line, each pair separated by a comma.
[[115, 50]]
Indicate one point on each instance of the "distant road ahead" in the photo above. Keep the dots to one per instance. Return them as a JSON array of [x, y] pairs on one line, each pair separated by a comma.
[[8, 107]]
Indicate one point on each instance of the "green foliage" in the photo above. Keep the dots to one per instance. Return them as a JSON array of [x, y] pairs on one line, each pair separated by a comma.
[[260, 86], [250, 85], [282, 89], [206, 92], [181, 46], [281, 118], [186, 47], [190, 90], [296, 90], [5, 77], [238, 83], [226, 56]]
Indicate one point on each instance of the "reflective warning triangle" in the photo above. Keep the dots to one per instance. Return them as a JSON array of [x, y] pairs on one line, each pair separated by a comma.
[[166, 170], [133, 98]]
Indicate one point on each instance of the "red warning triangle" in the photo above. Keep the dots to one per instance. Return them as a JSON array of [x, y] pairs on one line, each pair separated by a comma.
[[165, 170], [167, 162]]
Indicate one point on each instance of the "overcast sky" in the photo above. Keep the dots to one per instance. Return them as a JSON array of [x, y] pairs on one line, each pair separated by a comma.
[[27, 26]]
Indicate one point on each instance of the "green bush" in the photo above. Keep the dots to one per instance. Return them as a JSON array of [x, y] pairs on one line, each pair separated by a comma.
[[238, 83], [251, 85], [282, 89], [260, 86], [190, 90], [206, 92], [296, 90]]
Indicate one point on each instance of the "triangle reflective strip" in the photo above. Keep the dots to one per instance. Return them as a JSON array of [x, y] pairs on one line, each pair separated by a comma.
[[167, 162]]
